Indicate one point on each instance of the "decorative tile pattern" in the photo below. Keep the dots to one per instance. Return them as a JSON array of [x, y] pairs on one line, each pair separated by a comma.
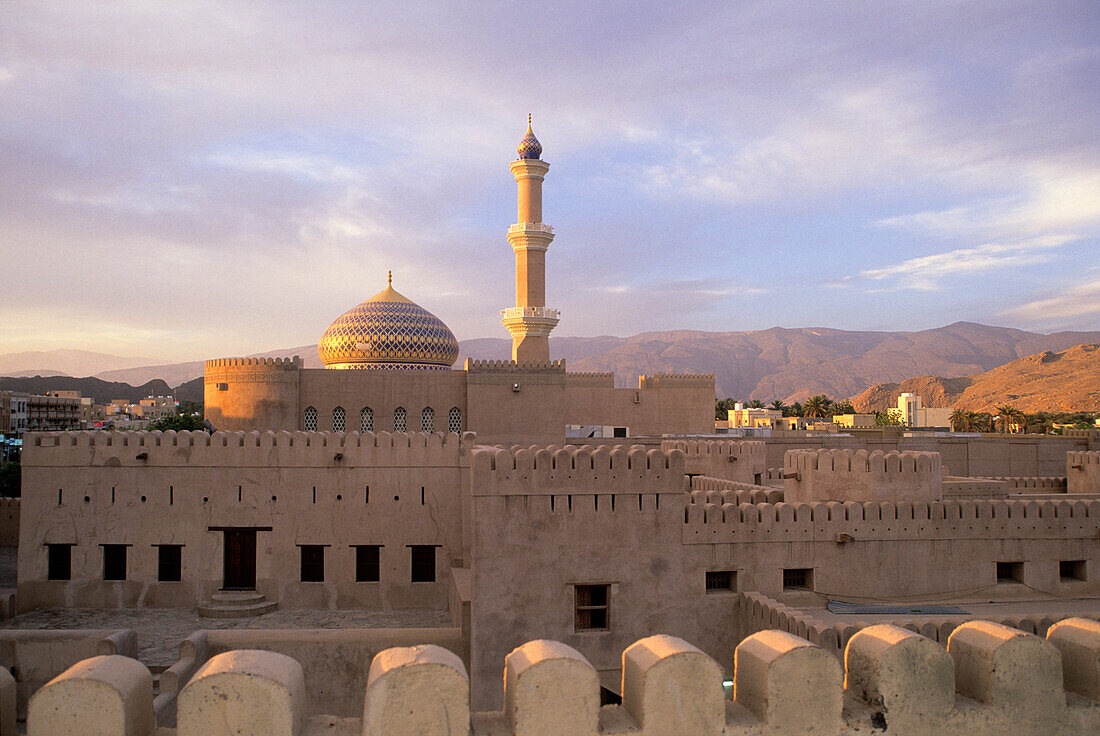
[[339, 419], [427, 419], [385, 335], [366, 419], [309, 419], [454, 420], [529, 147], [400, 419]]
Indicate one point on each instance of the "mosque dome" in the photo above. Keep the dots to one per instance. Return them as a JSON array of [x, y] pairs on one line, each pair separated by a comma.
[[529, 147], [388, 332]]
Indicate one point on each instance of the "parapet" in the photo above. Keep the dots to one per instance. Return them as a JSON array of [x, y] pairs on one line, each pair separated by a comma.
[[1083, 472], [737, 460], [858, 475], [284, 364], [540, 471], [261, 449], [1011, 682], [677, 380], [590, 380], [511, 366]]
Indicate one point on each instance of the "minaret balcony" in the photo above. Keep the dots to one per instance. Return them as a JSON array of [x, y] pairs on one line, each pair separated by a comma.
[[530, 227], [534, 313]]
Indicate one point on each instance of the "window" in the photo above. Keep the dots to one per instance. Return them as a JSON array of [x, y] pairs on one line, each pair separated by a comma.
[[309, 420], [400, 419], [367, 563], [423, 563], [114, 562], [721, 581], [1010, 572], [618, 432], [590, 604], [427, 419], [798, 578], [1072, 570], [223, 386], [59, 561], [454, 420], [366, 419], [169, 563], [339, 419], [313, 563]]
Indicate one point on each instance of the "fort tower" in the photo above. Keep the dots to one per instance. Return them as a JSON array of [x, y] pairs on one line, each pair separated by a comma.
[[530, 320]]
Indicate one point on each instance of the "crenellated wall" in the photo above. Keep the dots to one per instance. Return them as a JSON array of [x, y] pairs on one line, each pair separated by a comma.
[[252, 393], [1083, 472], [847, 475], [144, 489], [990, 680], [736, 460]]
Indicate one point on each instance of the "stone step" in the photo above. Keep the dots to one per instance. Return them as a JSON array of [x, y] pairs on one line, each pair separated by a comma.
[[226, 609], [237, 596]]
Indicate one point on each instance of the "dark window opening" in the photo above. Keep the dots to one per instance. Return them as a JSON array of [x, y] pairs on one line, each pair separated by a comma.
[[313, 563], [798, 578], [610, 697], [169, 563], [368, 563], [1072, 570], [758, 479], [719, 581], [114, 562], [423, 563], [60, 562], [591, 604], [619, 432], [1010, 572]]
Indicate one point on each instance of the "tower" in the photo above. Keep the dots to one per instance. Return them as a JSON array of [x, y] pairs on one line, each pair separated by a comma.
[[530, 320]]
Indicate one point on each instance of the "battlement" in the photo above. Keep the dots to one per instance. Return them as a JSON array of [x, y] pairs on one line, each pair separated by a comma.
[[719, 491], [510, 366], [590, 380], [242, 449], [538, 471], [858, 475], [736, 460], [677, 380], [1010, 681], [888, 521], [285, 364]]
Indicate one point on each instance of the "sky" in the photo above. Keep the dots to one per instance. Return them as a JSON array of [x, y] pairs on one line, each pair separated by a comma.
[[189, 180]]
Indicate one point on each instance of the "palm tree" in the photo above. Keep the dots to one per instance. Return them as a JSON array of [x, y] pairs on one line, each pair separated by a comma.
[[778, 405], [755, 404], [961, 421], [795, 410], [816, 406], [1006, 413], [843, 407]]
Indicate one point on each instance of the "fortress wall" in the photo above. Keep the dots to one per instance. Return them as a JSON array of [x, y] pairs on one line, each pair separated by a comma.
[[652, 409], [510, 402], [706, 490], [736, 460], [9, 522], [975, 456], [245, 393], [382, 391], [991, 680], [1083, 472], [91, 489], [975, 488], [883, 550], [590, 380], [847, 475]]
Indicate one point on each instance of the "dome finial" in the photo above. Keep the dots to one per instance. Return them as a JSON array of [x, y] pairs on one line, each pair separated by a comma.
[[389, 278], [529, 147]]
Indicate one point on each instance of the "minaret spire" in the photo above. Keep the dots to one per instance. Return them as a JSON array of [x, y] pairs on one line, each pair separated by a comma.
[[530, 321]]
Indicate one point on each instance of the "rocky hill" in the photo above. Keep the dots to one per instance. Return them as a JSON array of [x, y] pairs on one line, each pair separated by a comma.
[[1068, 380]]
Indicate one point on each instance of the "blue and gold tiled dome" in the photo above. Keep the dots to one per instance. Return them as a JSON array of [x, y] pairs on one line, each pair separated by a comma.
[[529, 147], [388, 332]]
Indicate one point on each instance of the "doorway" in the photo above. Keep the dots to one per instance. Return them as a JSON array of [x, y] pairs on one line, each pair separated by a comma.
[[239, 571]]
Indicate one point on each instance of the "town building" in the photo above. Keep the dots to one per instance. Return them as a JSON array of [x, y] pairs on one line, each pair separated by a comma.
[[910, 412]]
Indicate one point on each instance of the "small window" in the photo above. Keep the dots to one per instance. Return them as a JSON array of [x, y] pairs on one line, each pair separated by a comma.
[[367, 563], [313, 563], [223, 386], [1069, 570], [400, 419], [339, 419], [454, 420], [427, 419], [114, 562], [721, 581], [169, 563], [591, 603], [798, 578], [366, 419], [619, 432], [423, 563], [309, 419], [1010, 572], [59, 562]]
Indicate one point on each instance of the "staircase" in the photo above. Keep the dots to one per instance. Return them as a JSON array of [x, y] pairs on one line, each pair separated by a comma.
[[236, 604]]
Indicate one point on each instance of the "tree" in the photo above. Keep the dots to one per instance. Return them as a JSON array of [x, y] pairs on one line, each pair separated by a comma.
[[886, 419], [816, 406], [177, 422], [756, 404], [722, 407], [795, 410], [961, 421], [843, 407], [1005, 415], [10, 478], [778, 405]]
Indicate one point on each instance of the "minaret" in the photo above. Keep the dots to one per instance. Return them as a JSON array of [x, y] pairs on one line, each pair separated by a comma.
[[530, 321]]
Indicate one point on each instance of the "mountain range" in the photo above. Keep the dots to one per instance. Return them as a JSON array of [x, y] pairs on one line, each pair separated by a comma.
[[788, 364]]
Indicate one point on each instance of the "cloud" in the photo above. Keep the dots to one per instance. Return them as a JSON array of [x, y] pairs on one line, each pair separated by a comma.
[[925, 273], [1080, 300]]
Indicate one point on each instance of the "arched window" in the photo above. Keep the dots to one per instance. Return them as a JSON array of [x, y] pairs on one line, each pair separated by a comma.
[[339, 419], [400, 419], [454, 420], [309, 421], [427, 419], [366, 419]]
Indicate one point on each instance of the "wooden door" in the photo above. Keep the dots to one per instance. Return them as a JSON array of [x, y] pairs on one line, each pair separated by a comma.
[[240, 559]]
